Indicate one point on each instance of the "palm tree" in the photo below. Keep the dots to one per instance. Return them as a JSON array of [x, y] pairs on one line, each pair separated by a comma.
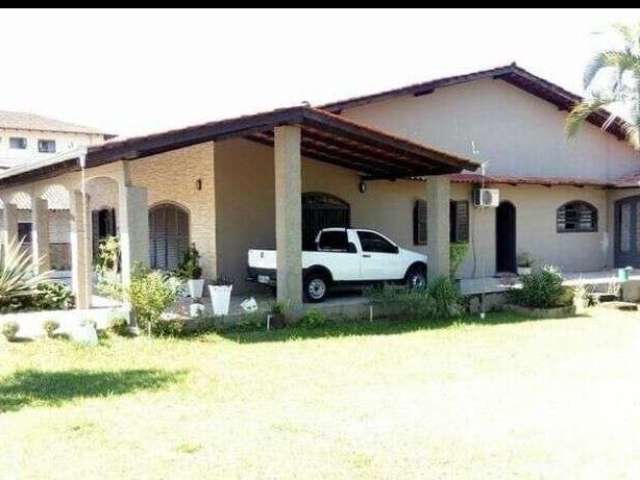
[[612, 79]]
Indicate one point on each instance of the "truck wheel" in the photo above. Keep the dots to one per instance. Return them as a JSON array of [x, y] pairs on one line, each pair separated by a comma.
[[315, 287], [416, 278]]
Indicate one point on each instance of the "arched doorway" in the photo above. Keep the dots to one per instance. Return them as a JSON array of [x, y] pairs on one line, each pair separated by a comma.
[[322, 210], [506, 238], [168, 235]]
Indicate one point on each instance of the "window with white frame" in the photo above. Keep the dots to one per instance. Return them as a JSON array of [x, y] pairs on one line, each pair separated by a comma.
[[18, 143], [47, 146]]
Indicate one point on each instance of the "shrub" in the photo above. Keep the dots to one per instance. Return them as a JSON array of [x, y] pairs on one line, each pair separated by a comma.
[[119, 326], [10, 330], [150, 293], [457, 253], [53, 296], [190, 268], [542, 289], [313, 318], [410, 304], [108, 258], [446, 297], [168, 327], [50, 327]]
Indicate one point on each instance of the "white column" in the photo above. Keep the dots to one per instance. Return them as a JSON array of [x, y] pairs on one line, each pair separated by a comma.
[[438, 198], [288, 215], [80, 250], [133, 219], [40, 235], [10, 222]]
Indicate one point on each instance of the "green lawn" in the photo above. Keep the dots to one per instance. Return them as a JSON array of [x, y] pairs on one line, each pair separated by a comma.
[[504, 399]]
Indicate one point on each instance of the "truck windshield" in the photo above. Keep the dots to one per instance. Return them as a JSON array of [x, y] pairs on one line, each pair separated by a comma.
[[333, 241]]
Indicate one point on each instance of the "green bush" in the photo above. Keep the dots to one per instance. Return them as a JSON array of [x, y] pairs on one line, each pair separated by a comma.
[[51, 295], [150, 293], [542, 289], [409, 304], [168, 328], [108, 258], [190, 268], [457, 253], [439, 301], [50, 327], [313, 319], [446, 297], [10, 330], [119, 326]]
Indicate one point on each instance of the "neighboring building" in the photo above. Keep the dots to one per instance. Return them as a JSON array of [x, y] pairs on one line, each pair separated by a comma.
[[262, 180], [26, 137]]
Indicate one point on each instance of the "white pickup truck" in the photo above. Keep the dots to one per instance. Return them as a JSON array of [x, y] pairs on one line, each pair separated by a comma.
[[345, 256]]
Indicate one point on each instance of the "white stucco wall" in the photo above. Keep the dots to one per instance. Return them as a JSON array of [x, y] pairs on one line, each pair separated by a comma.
[[64, 142], [516, 132]]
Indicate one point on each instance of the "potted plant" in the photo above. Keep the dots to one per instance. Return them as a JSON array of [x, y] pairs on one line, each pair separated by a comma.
[[525, 263], [220, 292], [191, 271]]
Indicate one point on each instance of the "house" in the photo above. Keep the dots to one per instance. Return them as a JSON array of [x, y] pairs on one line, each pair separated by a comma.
[[26, 138], [404, 162]]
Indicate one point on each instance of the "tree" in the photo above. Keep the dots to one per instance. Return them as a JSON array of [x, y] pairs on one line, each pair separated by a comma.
[[612, 79]]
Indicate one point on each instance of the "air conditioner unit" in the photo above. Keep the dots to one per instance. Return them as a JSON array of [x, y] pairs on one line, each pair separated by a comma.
[[486, 197]]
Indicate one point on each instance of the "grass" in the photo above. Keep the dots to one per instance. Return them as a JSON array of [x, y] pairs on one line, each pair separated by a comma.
[[509, 398]]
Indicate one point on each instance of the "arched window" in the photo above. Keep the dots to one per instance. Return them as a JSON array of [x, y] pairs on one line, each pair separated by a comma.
[[577, 216], [168, 235]]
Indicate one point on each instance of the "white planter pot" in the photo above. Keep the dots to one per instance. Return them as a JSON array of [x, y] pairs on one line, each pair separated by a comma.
[[195, 288], [220, 299], [524, 270]]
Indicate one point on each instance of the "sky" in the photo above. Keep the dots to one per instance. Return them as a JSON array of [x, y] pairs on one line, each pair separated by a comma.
[[132, 72]]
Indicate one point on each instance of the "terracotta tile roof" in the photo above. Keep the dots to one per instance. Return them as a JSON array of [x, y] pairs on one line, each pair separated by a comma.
[[31, 121], [512, 74], [628, 181], [545, 181], [326, 137]]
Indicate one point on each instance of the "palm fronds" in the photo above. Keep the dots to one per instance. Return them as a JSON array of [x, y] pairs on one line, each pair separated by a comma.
[[620, 89], [16, 272]]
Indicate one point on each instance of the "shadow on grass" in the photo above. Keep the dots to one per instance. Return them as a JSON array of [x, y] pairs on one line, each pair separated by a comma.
[[377, 327], [29, 387]]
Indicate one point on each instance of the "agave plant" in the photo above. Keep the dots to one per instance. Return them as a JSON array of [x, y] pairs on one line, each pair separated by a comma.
[[16, 272], [612, 79]]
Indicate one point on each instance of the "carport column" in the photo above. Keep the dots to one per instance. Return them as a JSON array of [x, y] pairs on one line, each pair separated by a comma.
[[10, 222], [81, 277], [438, 197], [288, 215], [40, 235], [133, 211]]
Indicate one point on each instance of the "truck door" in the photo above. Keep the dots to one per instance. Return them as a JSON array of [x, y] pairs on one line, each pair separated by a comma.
[[340, 255], [380, 257]]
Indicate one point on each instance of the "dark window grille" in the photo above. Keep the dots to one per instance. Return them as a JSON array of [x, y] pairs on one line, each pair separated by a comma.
[[577, 216]]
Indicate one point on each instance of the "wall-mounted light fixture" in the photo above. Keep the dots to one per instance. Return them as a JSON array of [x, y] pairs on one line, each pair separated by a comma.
[[199, 184], [362, 186]]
